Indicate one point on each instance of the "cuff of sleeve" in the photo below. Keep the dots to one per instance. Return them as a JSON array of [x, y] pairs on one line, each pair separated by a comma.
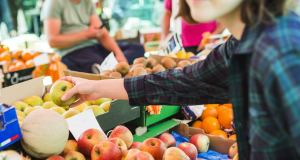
[[135, 88]]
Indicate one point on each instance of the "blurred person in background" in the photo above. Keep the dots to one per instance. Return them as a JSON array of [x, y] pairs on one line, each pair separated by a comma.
[[5, 16], [191, 34], [14, 6], [75, 30]]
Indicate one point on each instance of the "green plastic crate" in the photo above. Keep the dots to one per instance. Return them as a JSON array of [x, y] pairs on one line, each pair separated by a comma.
[[146, 119]]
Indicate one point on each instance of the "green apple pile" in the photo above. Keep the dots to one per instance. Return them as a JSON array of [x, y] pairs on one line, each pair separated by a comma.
[[142, 66], [32, 103]]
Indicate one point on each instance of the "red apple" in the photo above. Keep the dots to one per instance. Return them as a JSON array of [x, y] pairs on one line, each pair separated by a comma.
[[174, 153], [106, 150], [70, 146], [88, 139], [74, 155], [129, 153], [136, 145], [123, 133], [201, 142], [233, 150], [141, 156], [189, 149], [155, 147], [55, 157], [120, 143], [168, 139]]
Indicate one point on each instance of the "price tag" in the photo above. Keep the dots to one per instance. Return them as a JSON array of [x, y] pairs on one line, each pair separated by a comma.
[[174, 44], [82, 122], [41, 59], [109, 63]]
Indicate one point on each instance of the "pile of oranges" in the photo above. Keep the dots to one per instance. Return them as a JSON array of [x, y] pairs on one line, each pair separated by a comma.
[[215, 118], [17, 60]]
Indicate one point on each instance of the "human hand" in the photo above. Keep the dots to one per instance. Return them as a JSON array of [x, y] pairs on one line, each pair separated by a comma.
[[161, 45], [85, 90], [121, 58], [93, 32], [200, 47]]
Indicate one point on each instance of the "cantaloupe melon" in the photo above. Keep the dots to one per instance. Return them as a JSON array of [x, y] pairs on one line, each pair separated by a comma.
[[45, 133]]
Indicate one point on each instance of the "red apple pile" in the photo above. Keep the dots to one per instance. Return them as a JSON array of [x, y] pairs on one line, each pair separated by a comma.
[[120, 146]]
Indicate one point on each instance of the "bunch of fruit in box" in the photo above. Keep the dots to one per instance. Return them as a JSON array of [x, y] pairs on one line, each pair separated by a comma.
[[182, 54], [45, 135], [142, 66], [52, 101], [215, 119]]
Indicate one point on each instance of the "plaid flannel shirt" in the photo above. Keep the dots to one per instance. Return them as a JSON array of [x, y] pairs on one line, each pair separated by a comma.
[[259, 75]]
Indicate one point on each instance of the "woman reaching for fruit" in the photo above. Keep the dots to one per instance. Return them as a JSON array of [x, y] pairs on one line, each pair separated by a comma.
[[257, 70]]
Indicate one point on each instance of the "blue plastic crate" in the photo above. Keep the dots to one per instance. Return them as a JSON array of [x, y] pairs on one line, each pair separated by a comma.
[[10, 131]]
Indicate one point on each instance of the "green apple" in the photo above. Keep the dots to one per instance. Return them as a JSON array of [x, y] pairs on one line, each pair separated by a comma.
[[19, 105], [100, 101], [81, 107], [20, 118], [30, 109], [48, 105], [47, 97], [89, 103], [59, 110], [33, 101], [58, 89], [70, 113], [96, 109], [66, 108], [20, 113], [105, 106]]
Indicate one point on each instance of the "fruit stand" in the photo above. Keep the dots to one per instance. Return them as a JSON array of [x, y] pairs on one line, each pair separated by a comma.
[[121, 131]]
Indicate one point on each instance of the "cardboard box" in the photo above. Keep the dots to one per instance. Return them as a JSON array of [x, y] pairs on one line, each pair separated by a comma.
[[158, 58], [218, 144], [145, 119], [120, 111]]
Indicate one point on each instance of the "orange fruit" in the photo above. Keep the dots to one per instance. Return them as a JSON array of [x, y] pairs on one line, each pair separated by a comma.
[[233, 137], [210, 124], [219, 133], [5, 56], [11, 68], [26, 56], [34, 54], [20, 65], [56, 57], [209, 112], [225, 118], [228, 105], [213, 105], [29, 63], [7, 63], [17, 54], [220, 108], [197, 124]]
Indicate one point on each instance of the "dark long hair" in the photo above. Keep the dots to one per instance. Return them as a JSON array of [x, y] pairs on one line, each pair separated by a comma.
[[253, 12]]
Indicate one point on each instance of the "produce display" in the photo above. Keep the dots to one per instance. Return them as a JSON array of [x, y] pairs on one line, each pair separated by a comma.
[[142, 66], [182, 54], [215, 120]]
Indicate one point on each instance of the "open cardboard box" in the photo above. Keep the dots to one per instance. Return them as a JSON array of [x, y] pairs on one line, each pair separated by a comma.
[[145, 119], [158, 58], [120, 112], [218, 144]]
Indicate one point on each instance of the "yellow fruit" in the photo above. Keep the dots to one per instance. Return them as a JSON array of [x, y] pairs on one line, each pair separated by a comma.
[[189, 54], [171, 55], [20, 113], [20, 123], [20, 118], [181, 54]]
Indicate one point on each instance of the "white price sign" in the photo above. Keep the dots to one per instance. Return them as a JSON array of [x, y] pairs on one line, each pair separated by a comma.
[[109, 63], [82, 122], [41, 59]]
